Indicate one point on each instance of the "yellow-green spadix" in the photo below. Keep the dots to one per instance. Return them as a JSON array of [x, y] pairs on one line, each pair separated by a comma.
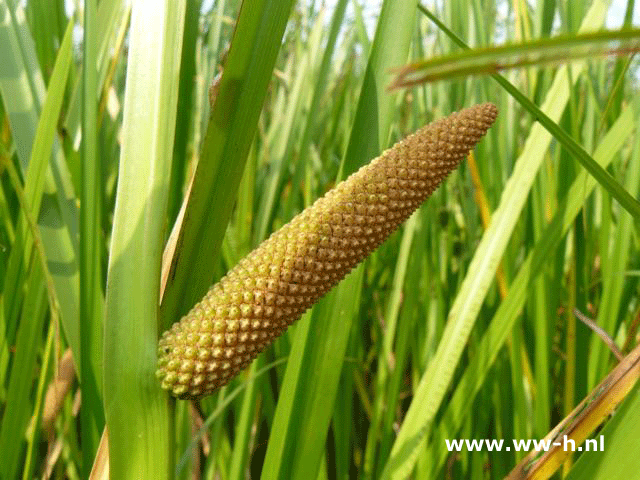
[[271, 287]]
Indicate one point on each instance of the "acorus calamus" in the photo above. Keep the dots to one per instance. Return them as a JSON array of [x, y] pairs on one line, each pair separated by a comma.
[[272, 286]]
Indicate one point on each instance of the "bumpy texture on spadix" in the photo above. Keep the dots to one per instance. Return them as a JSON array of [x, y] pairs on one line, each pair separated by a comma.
[[271, 288]]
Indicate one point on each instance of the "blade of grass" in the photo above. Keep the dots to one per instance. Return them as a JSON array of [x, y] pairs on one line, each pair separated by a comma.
[[559, 49], [520, 369], [47, 22], [43, 141], [410, 311], [33, 433], [282, 419], [286, 128], [23, 95], [247, 413], [319, 89], [613, 283], [18, 403], [243, 85], [54, 312], [542, 326], [111, 13], [386, 359], [137, 411], [28, 235], [361, 29], [91, 299], [244, 423], [186, 97], [308, 399]]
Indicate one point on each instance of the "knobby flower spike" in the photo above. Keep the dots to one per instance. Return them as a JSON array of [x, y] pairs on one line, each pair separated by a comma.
[[271, 288]]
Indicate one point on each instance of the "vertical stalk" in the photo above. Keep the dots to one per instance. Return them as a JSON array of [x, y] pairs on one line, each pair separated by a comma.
[[138, 413], [91, 413]]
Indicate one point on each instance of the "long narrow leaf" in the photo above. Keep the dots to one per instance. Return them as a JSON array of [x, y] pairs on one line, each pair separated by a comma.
[[23, 94], [243, 85], [91, 298], [563, 48], [137, 411]]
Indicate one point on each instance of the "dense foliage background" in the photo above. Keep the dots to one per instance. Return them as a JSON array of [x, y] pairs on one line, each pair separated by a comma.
[[462, 325]]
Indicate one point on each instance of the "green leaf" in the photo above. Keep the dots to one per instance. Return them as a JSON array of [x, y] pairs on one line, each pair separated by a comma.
[[23, 94], [91, 297], [559, 49], [243, 85], [18, 396], [137, 411]]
